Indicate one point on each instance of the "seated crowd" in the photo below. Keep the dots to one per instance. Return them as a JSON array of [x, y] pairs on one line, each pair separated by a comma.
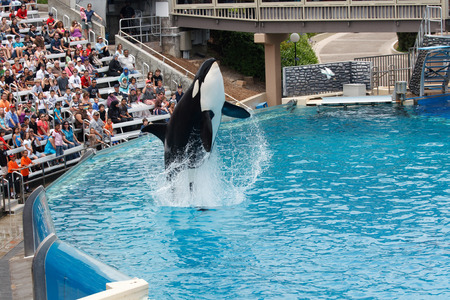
[[49, 91]]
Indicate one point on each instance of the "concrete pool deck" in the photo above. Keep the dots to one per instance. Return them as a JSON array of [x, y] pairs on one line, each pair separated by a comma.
[[15, 270]]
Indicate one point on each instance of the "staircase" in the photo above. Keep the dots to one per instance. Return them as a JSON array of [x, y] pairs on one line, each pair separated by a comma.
[[435, 76]]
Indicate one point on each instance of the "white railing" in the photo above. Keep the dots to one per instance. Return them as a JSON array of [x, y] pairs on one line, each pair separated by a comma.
[[55, 13], [261, 11], [66, 23], [431, 14], [142, 27]]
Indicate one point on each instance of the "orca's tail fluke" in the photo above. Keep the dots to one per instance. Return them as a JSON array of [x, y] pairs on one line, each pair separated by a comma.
[[158, 129]]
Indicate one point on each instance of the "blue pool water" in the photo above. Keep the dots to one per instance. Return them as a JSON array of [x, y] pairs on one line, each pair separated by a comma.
[[342, 204]]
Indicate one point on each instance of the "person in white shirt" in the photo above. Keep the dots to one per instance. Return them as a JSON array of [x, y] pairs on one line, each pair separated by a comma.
[[40, 74], [80, 67], [74, 80], [127, 61]]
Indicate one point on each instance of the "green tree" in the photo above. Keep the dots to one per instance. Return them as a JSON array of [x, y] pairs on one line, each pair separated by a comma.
[[305, 53], [238, 51]]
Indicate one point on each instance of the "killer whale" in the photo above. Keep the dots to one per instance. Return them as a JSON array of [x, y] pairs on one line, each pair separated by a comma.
[[191, 131]]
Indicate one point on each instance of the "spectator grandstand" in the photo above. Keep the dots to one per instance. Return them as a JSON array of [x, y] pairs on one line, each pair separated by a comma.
[[52, 75]]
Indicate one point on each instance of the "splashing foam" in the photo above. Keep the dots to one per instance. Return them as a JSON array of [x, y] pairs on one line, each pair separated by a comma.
[[238, 158]]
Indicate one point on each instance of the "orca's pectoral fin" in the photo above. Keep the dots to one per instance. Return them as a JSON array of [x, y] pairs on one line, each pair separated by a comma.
[[207, 130], [157, 129], [234, 111]]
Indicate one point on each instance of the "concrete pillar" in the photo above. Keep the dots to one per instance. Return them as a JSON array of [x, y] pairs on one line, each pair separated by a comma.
[[272, 43]]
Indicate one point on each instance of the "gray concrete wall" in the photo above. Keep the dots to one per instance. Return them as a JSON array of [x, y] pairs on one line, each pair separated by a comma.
[[170, 74], [309, 80]]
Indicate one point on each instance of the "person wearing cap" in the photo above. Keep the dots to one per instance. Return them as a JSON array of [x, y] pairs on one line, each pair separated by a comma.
[[79, 66], [74, 80], [115, 69], [11, 118], [40, 74], [111, 98], [101, 48], [119, 95], [50, 20], [97, 125], [179, 93]]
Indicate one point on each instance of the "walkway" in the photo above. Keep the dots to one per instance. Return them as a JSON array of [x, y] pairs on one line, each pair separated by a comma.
[[334, 47]]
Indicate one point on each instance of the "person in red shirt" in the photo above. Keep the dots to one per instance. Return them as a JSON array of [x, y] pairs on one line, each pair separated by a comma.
[[24, 163], [13, 178], [50, 20], [22, 12], [85, 80], [42, 124]]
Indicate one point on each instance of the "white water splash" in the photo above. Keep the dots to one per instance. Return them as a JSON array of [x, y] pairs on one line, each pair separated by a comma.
[[238, 158]]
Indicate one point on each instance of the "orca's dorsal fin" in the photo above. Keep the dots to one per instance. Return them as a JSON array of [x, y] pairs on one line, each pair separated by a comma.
[[158, 129], [234, 111]]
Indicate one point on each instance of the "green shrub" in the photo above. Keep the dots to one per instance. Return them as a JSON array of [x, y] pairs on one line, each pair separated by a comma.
[[305, 54], [406, 40]]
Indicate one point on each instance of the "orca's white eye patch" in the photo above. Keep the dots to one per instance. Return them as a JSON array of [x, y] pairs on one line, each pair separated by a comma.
[[195, 89]]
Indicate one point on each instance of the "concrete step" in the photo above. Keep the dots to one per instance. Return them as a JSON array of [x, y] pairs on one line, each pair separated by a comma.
[[17, 209], [14, 202]]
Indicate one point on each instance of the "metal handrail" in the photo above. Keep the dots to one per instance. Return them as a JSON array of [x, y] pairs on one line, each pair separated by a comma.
[[55, 12], [64, 21], [154, 26], [91, 32], [144, 65], [7, 193], [14, 186], [176, 66], [425, 29]]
